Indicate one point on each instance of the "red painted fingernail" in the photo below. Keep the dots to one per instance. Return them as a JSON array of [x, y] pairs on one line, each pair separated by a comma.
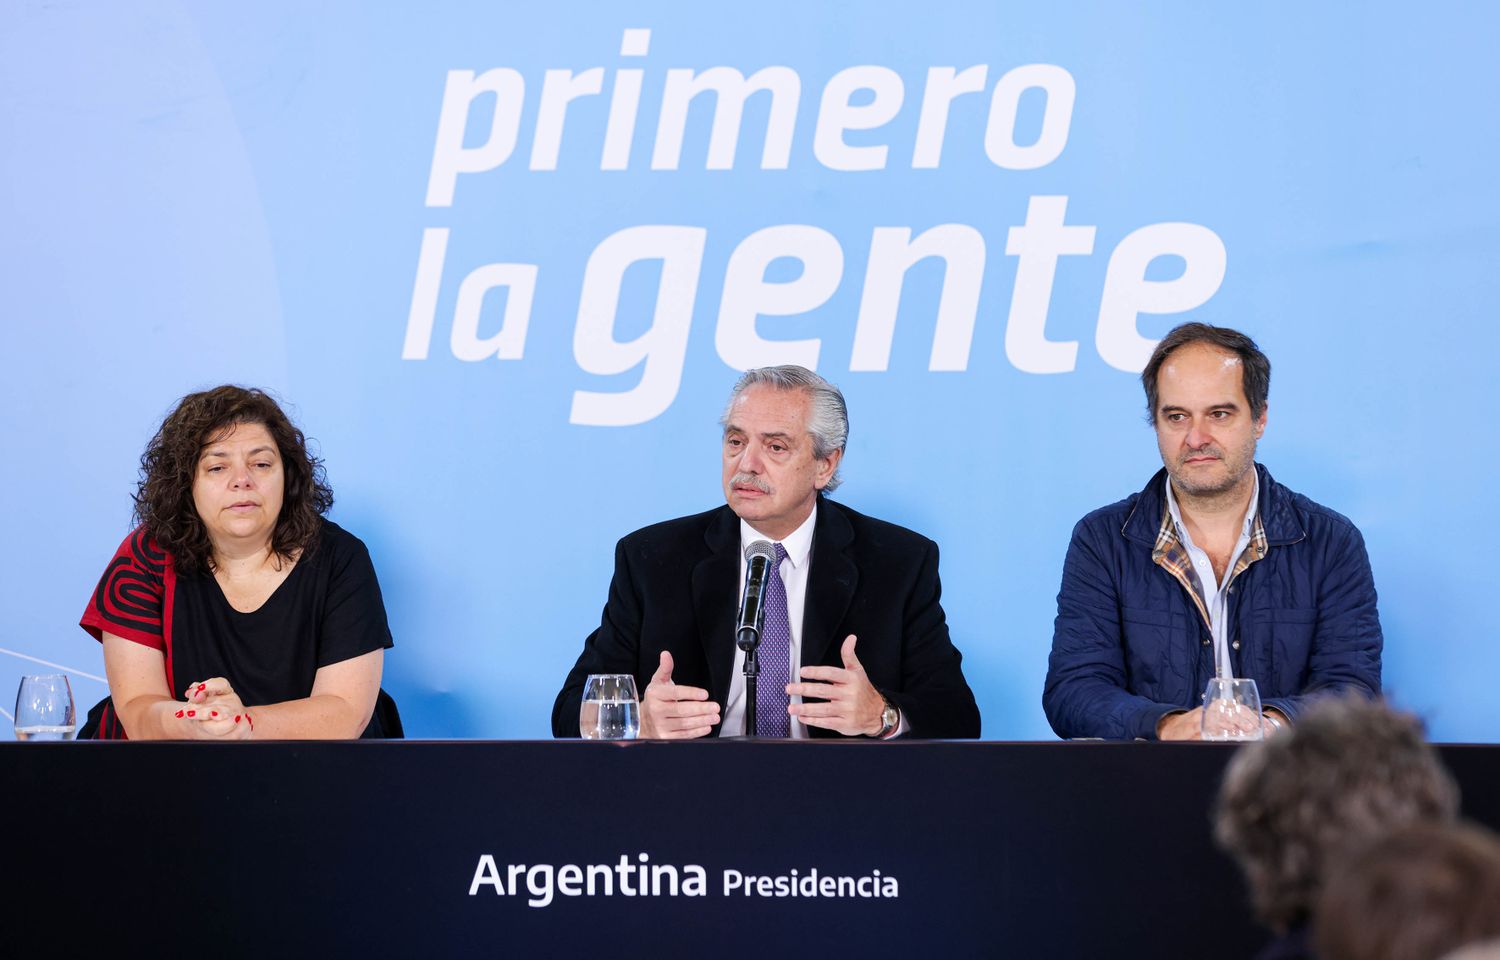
[[236, 718], [202, 686], [192, 713], [213, 713], [179, 713]]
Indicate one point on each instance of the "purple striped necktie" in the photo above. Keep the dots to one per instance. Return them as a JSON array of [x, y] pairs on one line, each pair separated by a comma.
[[771, 718]]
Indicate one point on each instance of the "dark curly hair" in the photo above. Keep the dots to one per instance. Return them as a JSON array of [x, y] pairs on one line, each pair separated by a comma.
[[1350, 769], [164, 497]]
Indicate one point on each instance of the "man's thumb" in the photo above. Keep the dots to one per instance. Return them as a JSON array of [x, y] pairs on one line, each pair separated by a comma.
[[663, 672], [851, 662]]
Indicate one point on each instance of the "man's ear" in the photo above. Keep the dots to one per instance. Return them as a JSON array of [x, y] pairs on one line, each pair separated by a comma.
[[826, 469]]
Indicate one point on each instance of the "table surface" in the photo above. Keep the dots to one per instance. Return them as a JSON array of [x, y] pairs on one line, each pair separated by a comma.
[[990, 849]]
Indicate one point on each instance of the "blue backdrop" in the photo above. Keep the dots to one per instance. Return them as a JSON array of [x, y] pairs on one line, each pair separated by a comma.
[[504, 262]]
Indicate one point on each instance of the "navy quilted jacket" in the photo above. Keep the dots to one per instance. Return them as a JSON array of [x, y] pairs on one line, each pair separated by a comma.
[[1129, 645]]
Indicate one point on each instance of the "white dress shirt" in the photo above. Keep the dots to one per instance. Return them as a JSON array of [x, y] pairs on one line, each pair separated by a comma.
[[1215, 597], [793, 571]]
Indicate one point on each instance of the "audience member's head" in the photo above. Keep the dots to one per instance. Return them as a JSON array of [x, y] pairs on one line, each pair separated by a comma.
[[1351, 769], [1416, 894]]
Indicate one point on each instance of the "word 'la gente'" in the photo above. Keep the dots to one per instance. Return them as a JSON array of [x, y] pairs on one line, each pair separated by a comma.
[[748, 293]]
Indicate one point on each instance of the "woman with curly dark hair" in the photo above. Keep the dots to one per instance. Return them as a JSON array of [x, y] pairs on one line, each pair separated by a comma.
[[236, 590]]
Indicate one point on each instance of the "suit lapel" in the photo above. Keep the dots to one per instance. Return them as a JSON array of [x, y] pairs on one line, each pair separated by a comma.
[[830, 582], [715, 599]]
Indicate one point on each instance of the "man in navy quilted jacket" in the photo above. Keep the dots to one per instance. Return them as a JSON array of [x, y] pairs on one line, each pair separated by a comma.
[[1214, 569]]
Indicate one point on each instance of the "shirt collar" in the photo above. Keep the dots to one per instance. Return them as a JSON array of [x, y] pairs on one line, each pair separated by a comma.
[[798, 543]]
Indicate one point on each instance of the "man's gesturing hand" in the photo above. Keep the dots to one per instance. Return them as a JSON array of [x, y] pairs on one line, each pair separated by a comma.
[[673, 712], [854, 706]]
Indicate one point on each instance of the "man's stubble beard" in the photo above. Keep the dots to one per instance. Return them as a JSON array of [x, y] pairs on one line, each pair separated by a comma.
[[1180, 480]]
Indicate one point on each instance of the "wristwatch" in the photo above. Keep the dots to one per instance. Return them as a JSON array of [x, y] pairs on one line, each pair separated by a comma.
[[890, 719]]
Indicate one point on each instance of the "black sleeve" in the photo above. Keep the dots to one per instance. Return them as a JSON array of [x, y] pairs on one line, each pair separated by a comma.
[[613, 648], [935, 699], [353, 620]]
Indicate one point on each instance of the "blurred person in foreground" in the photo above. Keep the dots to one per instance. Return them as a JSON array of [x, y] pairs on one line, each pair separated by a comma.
[[1488, 950], [1212, 570], [855, 644], [235, 609], [1416, 894], [1351, 770]]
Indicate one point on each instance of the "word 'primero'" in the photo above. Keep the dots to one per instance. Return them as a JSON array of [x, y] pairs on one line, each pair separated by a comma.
[[542, 883], [861, 99]]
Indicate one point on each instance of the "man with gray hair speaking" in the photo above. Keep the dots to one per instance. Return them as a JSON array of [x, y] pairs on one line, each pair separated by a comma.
[[855, 642]]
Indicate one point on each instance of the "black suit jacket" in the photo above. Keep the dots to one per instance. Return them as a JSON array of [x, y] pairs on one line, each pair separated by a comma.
[[676, 587]]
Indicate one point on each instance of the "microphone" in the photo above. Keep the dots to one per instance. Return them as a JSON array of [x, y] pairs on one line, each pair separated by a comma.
[[758, 557]]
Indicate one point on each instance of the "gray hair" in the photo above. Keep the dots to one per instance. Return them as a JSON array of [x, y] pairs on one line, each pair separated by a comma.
[[1351, 768], [828, 421]]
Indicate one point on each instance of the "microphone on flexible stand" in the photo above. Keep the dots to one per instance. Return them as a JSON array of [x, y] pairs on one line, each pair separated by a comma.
[[758, 559]]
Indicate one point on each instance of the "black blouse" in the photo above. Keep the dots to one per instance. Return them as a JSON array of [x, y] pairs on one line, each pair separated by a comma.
[[327, 610]]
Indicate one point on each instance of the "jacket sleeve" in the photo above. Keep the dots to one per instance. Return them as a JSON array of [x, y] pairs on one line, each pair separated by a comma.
[[613, 648], [1347, 642], [1085, 694], [934, 699]]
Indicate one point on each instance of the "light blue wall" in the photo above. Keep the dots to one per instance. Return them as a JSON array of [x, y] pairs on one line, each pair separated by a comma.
[[198, 193]]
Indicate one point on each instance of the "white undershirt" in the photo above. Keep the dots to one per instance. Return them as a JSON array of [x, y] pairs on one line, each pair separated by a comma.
[[1215, 597], [798, 546]]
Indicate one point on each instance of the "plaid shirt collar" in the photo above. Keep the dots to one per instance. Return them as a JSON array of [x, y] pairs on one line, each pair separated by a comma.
[[1171, 554]]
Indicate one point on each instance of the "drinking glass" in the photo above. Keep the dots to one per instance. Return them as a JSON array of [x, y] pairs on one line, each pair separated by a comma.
[[610, 710], [1231, 710], [44, 708]]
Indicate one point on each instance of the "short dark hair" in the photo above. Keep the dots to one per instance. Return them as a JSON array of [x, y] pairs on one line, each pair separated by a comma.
[[1415, 894], [1255, 368], [1351, 768], [164, 496]]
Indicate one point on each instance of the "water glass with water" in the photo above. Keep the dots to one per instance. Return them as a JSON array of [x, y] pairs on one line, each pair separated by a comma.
[[44, 708], [1231, 710], [611, 710]]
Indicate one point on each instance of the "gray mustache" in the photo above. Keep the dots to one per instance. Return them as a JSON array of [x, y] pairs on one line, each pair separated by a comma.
[[749, 480]]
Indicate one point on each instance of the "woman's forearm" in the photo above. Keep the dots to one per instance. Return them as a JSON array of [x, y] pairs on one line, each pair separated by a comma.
[[151, 717], [319, 717]]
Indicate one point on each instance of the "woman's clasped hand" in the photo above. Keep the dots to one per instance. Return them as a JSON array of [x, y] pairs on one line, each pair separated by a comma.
[[214, 712]]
